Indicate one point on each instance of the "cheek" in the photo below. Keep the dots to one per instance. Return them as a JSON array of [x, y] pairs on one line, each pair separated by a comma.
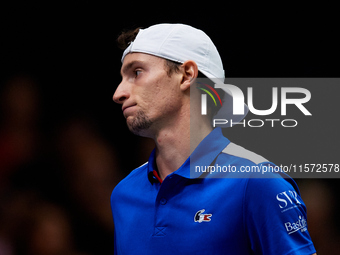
[[169, 102], [159, 93], [166, 91]]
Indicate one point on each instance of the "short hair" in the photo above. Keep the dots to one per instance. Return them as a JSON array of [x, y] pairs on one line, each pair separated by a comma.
[[127, 36]]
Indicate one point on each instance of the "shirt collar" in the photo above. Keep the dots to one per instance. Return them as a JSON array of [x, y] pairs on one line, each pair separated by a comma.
[[204, 154], [152, 166]]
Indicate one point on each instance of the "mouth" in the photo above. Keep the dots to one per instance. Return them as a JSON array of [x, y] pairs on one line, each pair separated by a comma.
[[125, 109]]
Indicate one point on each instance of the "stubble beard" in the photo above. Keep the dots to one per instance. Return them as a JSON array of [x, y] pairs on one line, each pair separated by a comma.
[[140, 123]]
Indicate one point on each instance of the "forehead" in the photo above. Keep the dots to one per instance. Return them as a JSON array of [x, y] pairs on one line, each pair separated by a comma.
[[134, 59]]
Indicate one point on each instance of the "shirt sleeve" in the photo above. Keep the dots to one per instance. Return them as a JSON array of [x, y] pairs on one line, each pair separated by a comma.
[[275, 217]]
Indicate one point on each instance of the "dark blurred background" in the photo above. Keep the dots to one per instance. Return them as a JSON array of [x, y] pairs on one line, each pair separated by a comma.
[[64, 144]]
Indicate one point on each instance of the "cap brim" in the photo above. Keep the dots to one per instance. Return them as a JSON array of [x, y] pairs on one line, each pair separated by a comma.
[[226, 111]]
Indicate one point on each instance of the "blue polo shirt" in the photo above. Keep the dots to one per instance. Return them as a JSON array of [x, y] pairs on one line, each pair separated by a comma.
[[188, 214]]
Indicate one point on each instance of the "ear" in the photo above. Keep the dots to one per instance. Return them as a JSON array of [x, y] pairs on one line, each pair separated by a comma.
[[190, 72]]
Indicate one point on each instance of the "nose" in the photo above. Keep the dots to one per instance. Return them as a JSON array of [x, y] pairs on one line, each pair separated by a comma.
[[121, 94]]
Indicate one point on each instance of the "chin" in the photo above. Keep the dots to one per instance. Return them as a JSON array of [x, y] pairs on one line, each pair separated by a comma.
[[139, 125]]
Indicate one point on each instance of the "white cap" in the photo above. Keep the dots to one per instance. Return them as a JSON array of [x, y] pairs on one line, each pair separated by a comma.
[[179, 43]]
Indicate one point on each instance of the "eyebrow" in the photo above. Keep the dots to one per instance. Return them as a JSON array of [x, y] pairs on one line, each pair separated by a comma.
[[128, 66]]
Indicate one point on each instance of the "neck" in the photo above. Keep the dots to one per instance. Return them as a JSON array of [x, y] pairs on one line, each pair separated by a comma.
[[175, 143]]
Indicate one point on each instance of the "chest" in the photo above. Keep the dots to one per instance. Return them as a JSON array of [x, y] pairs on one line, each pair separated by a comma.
[[180, 215]]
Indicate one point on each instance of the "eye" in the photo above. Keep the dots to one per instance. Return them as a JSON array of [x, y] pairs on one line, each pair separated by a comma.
[[137, 72]]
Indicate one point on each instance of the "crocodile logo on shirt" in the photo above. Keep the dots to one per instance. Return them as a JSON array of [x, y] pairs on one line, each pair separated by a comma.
[[200, 217]]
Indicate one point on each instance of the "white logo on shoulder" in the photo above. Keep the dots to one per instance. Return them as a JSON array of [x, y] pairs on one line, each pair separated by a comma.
[[288, 200], [200, 217], [300, 224]]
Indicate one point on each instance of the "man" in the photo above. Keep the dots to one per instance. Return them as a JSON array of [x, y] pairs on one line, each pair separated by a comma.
[[161, 207]]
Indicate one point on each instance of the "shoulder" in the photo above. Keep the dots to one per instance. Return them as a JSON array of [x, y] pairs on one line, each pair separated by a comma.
[[260, 171], [135, 177], [237, 151]]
